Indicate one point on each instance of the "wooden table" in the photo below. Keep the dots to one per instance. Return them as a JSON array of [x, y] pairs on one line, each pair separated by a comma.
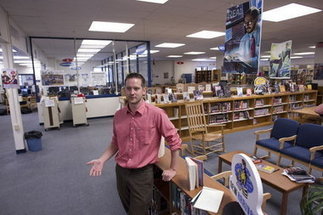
[[181, 180], [308, 111], [275, 179]]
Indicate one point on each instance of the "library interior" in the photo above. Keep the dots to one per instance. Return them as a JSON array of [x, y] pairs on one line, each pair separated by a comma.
[[219, 103]]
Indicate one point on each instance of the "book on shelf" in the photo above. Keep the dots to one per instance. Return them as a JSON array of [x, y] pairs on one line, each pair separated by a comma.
[[298, 175], [195, 170], [200, 171], [266, 168], [208, 199], [239, 91], [186, 96]]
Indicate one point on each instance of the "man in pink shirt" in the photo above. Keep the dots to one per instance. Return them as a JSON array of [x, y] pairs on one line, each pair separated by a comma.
[[137, 130]]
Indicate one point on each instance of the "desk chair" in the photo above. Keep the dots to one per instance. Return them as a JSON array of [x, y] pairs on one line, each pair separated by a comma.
[[198, 130], [225, 176]]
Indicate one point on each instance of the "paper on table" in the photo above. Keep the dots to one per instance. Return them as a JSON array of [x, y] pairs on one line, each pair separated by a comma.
[[209, 199]]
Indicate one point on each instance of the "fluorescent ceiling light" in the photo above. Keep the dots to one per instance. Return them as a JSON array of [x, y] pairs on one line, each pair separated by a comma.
[[175, 56], [155, 1], [206, 34], [312, 47], [265, 56], [214, 58], [264, 59], [194, 53], [110, 26], [304, 53], [13, 50], [22, 61], [89, 50], [20, 57], [215, 48], [289, 11], [83, 55], [202, 59], [170, 45], [295, 57], [151, 52]]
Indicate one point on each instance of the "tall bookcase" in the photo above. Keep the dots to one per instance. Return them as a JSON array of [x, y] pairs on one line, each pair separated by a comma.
[[240, 113]]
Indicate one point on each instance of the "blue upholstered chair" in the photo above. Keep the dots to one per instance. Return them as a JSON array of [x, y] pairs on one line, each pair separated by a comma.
[[308, 147], [281, 136]]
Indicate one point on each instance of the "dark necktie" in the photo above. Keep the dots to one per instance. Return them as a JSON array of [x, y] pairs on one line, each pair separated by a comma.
[[252, 46]]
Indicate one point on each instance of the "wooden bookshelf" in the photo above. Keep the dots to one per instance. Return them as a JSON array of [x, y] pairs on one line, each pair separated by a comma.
[[182, 183], [240, 113]]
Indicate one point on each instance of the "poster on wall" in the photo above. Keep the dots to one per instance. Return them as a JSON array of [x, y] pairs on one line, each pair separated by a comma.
[[98, 79], [280, 63], [318, 71], [26, 80], [70, 79], [52, 78], [9, 78], [243, 38]]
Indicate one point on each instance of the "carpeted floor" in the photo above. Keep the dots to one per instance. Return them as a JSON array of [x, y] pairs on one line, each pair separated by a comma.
[[55, 180]]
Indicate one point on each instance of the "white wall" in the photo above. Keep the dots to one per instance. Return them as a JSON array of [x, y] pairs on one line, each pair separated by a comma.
[[159, 68]]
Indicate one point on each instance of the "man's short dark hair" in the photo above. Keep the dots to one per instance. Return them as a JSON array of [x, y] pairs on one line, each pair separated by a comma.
[[253, 12], [136, 75]]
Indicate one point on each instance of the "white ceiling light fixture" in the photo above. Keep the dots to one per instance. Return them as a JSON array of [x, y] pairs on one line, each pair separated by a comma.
[[194, 53], [20, 57], [312, 47], [295, 57], [175, 56], [88, 50], [264, 59], [265, 56], [304, 53], [115, 27], [151, 52], [206, 34], [289, 11], [202, 59], [155, 1], [215, 48], [214, 58], [170, 45]]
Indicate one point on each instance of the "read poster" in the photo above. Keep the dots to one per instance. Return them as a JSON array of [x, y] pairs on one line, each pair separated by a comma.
[[280, 63], [243, 38]]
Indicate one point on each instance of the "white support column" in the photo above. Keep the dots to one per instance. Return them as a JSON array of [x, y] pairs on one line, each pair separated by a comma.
[[12, 95]]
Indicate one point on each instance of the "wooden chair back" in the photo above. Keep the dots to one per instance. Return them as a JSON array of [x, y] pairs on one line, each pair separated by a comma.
[[196, 118]]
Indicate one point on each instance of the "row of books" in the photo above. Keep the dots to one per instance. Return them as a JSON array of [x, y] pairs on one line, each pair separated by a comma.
[[207, 200], [219, 118], [260, 112], [238, 105], [220, 107]]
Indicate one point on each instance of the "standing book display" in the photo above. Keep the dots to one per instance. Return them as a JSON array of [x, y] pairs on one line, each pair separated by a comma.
[[79, 111], [50, 113]]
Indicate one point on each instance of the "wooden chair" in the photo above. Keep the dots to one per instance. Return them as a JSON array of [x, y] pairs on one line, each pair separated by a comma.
[[225, 176], [198, 130]]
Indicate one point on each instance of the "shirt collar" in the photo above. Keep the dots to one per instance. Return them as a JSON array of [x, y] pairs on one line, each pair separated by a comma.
[[140, 110]]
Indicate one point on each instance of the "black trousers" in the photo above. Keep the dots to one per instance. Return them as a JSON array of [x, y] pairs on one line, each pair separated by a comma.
[[135, 188]]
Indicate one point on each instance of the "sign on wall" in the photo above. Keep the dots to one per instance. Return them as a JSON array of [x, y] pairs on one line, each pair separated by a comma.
[[243, 38], [9, 78]]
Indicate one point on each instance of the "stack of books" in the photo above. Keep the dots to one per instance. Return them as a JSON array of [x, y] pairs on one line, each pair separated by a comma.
[[298, 175], [195, 172]]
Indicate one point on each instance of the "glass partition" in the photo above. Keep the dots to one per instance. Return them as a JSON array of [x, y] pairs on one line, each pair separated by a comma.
[[94, 67]]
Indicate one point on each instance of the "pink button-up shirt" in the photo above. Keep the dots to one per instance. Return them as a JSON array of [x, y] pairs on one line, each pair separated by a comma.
[[137, 135]]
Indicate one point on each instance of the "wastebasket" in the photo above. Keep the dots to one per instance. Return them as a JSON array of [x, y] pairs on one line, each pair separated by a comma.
[[33, 139]]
